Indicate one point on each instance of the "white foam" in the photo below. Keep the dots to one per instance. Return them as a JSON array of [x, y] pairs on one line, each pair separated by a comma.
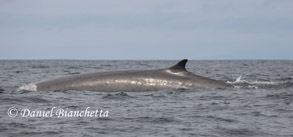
[[240, 81], [30, 87], [253, 87]]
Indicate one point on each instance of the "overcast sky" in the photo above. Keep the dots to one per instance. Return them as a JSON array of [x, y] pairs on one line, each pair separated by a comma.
[[146, 29]]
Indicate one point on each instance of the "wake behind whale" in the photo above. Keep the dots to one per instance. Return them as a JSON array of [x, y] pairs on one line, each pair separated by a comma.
[[174, 77]]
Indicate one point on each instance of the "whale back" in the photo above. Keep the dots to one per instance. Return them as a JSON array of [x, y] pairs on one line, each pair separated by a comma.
[[173, 77]]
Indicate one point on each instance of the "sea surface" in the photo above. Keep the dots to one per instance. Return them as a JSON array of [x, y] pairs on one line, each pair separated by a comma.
[[260, 105]]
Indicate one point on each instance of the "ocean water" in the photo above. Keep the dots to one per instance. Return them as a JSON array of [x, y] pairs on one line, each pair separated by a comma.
[[260, 105]]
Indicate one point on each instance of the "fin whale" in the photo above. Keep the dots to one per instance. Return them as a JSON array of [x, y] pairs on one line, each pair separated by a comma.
[[174, 77]]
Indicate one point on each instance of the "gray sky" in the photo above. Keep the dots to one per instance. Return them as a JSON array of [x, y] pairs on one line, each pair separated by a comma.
[[146, 29]]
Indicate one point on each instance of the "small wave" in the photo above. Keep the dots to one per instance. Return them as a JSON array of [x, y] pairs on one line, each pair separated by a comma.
[[222, 119], [120, 95], [237, 132], [156, 119], [40, 66], [22, 99], [30, 87]]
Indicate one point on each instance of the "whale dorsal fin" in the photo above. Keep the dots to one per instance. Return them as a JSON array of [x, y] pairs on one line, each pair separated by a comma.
[[180, 66]]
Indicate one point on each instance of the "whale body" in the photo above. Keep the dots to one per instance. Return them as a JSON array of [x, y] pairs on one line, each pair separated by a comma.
[[175, 77]]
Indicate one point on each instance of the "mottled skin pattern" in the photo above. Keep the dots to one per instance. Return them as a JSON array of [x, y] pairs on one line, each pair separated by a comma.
[[133, 80]]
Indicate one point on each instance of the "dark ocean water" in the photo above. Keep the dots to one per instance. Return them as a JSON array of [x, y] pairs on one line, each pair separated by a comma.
[[261, 105]]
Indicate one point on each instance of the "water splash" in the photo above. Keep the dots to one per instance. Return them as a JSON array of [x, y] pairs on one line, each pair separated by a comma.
[[256, 82], [30, 87]]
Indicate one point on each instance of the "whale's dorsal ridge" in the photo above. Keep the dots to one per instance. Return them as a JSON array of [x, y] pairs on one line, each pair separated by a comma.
[[180, 66]]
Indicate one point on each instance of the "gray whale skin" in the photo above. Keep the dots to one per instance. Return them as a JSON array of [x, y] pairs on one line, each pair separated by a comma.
[[175, 77]]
